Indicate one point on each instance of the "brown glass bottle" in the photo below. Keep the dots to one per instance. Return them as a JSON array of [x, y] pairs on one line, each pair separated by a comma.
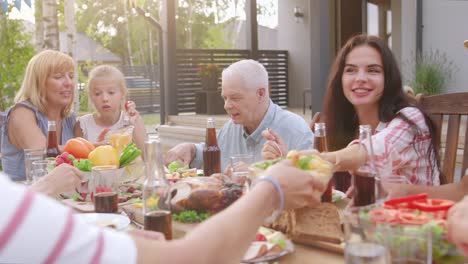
[[52, 144], [320, 144], [211, 151], [364, 177]]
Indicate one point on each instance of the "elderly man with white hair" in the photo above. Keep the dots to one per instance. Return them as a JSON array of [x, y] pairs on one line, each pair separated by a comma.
[[248, 104]]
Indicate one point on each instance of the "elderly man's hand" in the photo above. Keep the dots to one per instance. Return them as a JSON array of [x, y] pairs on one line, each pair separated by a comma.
[[457, 225], [298, 185], [184, 152], [274, 147]]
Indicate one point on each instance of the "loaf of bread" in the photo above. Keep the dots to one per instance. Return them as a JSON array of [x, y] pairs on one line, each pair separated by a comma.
[[318, 223]]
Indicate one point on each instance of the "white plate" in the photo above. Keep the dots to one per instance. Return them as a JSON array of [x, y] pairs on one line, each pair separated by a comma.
[[119, 221], [289, 249]]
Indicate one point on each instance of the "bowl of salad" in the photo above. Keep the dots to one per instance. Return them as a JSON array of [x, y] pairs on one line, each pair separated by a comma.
[[411, 228]]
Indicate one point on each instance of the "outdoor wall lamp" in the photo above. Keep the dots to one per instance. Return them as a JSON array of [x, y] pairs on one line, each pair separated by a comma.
[[298, 14]]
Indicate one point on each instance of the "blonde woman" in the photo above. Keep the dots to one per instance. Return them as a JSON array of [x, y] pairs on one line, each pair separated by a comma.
[[107, 92], [46, 94]]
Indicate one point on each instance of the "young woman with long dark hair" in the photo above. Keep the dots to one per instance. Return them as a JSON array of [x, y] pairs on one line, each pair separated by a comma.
[[365, 87]]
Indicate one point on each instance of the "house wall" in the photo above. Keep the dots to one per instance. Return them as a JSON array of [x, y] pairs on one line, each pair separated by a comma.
[[295, 37], [445, 28], [404, 35]]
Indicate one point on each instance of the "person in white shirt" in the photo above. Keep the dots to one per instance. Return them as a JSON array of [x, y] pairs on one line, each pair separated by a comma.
[[107, 92], [37, 229]]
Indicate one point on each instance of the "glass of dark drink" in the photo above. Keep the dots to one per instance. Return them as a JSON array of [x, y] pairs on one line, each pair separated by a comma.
[[159, 221], [364, 188], [342, 180], [105, 191], [106, 202]]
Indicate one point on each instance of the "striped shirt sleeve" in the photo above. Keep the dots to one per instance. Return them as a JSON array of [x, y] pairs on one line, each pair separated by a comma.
[[37, 229], [402, 150]]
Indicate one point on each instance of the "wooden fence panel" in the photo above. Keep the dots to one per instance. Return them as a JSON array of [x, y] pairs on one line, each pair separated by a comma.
[[143, 86], [188, 82]]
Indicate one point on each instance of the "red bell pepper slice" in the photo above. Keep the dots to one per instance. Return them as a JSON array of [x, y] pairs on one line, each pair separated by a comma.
[[433, 205], [405, 202]]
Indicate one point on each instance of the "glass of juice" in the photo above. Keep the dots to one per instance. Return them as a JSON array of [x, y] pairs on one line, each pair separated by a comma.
[[105, 181]]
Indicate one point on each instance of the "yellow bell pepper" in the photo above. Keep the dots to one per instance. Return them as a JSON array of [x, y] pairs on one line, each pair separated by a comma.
[[104, 155]]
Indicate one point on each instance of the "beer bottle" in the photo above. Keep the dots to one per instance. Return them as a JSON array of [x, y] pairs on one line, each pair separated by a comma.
[[156, 196], [364, 177], [211, 151], [320, 144], [52, 144], [320, 138]]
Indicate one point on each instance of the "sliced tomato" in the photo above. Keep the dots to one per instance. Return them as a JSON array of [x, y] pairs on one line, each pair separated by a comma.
[[405, 202], [384, 215], [379, 216], [260, 237], [433, 205], [407, 218]]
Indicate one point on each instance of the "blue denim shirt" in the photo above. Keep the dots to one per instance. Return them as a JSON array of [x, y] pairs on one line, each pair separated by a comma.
[[232, 138], [13, 158]]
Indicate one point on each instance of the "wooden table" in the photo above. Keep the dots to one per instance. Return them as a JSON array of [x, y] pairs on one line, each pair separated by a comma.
[[302, 254], [306, 254]]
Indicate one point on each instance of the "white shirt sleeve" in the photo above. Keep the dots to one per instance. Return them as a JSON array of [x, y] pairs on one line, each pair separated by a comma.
[[37, 229]]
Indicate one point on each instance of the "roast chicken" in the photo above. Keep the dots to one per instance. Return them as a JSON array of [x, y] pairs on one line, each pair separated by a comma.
[[204, 194]]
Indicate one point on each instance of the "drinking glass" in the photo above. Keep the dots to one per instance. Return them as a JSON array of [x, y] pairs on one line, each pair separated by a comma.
[[240, 169], [50, 164], [39, 169], [31, 155], [362, 243], [368, 241], [106, 181], [385, 186]]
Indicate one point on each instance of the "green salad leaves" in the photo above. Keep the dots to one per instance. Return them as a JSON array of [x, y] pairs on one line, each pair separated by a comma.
[[190, 216]]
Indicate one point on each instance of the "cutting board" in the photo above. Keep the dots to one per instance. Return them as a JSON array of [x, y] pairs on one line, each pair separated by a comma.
[[84, 207], [332, 247]]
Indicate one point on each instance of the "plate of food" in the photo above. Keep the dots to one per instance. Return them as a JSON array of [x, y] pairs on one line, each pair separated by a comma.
[[114, 221], [318, 168], [175, 171], [268, 245]]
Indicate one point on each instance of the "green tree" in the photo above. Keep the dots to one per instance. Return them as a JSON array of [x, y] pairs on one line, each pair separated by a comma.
[[199, 25], [15, 52]]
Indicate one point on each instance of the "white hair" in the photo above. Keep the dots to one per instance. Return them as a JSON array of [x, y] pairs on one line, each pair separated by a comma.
[[251, 72]]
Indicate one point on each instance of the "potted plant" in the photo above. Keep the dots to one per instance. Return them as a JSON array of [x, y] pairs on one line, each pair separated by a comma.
[[209, 75], [431, 72]]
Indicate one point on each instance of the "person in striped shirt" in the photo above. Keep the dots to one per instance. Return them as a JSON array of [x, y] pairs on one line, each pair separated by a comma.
[[365, 87], [38, 229]]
